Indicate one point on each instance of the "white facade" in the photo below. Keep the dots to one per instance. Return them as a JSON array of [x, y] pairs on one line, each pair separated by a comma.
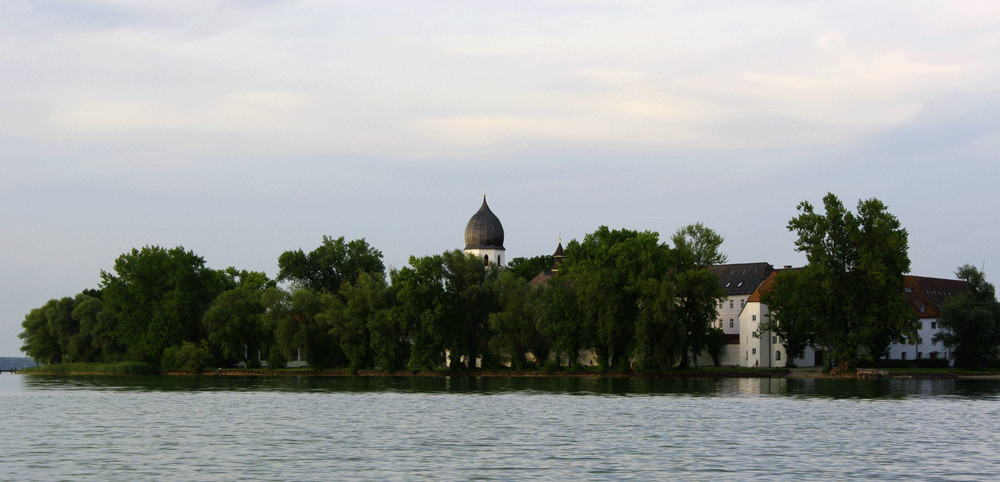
[[923, 346], [730, 357], [765, 350], [728, 313]]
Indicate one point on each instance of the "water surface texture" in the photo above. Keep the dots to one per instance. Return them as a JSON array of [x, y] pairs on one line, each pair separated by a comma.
[[323, 428]]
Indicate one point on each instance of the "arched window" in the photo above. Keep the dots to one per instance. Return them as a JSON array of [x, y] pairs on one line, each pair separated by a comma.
[[486, 259]]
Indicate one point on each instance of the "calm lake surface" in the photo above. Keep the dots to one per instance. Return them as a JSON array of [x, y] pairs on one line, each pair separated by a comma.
[[323, 428]]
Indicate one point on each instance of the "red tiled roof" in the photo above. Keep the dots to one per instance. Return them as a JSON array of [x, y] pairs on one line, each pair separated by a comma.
[[767, 285], [927, 295], [924, 295]]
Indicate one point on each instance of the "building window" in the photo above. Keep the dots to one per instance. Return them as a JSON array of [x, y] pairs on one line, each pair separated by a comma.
[[777, 355], [933, 325], [486, 260], [920, 355], [774, 339], [754, 318], [902, 356], [730, 304], [730, 322], [754, 351], [742, 302]]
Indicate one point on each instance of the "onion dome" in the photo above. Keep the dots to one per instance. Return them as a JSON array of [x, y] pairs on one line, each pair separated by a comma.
[[484, 230]]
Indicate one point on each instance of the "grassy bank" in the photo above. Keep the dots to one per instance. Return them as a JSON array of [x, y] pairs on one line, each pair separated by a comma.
[[119, 368]]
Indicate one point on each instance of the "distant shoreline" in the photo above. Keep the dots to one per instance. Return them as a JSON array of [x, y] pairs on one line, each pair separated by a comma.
[[693, 373]]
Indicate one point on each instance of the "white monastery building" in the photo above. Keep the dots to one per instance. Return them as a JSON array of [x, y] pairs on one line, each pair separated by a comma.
[[924, 295]]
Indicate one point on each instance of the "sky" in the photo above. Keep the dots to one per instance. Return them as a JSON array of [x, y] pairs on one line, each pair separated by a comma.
[[240, 130]]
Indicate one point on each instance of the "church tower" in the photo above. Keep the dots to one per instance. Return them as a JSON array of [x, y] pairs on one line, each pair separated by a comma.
[[484, 236]]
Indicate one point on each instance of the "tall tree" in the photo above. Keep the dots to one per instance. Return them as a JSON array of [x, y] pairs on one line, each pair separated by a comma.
[[857, 263], [659, 334], [298, 329], [234, 322], [41, 341], [333, 263], [558, 318], [609, 269], [514, 327], [365, 302], [419, 288], [158, 297], [696, 289], [94, 341], [466, 305], [970, 322]]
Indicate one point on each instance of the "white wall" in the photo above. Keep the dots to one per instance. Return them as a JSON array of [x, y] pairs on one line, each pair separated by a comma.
[[765, 351], [923, 347], [497, 256], [729, 310]]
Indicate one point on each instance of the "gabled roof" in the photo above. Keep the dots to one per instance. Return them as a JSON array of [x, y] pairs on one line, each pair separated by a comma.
[[767, 285], [741, 278], [926, 295]]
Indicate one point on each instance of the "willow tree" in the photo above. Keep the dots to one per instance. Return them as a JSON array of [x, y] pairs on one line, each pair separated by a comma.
[[610, 270]]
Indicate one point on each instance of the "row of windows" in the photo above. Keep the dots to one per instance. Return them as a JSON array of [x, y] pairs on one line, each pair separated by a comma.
[[743, 303], [731, 324]]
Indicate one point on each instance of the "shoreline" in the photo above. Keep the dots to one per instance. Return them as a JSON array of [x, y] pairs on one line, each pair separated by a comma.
[[794, 373]]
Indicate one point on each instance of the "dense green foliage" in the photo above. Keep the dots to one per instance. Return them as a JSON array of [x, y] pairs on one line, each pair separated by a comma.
[[633, 301], [333, 263], [623, 293], [528, 268], [971, 322], [158, 297], [848, 298]]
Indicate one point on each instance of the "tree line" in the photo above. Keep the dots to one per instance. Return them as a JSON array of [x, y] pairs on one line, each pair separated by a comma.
[[638, 303]]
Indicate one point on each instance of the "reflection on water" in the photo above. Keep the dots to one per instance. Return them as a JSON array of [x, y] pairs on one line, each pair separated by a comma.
[[321, 428], [693, 386]]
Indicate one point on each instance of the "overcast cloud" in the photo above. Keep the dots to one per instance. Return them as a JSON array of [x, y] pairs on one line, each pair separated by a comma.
[[243, 129]]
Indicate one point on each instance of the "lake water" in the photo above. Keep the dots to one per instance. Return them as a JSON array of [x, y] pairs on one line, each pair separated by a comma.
[[332, 428]]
